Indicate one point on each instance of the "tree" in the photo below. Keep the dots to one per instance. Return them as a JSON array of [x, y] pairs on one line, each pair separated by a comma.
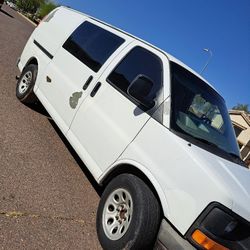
[[243, 107], [30, 6], [45, 8]]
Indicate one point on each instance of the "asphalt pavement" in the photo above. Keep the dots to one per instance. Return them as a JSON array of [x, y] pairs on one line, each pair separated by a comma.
[[48, 200]]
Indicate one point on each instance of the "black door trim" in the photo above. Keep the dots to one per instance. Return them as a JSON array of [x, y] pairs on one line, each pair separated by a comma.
[[46, 52]]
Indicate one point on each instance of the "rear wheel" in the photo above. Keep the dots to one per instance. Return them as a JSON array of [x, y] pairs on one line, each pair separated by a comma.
[[25, 84], [128, 215]]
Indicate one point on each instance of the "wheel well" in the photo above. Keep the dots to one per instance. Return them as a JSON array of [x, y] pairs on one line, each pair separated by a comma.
[[130, 169], [32, 60]]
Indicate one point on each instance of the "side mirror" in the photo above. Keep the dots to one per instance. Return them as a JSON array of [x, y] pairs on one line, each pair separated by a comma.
[[139, 90]]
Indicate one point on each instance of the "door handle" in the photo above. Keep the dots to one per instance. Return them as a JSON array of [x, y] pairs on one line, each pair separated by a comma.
[[48, 79], [85, 86], [95, 89]]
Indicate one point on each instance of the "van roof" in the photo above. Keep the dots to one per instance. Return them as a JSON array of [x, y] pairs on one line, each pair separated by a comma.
[[169, 56]]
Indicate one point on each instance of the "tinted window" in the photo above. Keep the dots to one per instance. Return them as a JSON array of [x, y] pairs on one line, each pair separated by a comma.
[[92, 45], [139, 61]]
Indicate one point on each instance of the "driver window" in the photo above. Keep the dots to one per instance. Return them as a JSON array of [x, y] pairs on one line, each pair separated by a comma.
[[138, 61]]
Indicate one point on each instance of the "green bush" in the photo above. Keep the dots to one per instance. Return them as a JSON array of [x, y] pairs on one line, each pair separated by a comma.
[[39, 7], [30, 6], [46, 8]]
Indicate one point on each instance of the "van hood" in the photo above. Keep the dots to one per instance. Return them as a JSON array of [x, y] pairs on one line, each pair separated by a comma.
[[234, 178], [241, 189]]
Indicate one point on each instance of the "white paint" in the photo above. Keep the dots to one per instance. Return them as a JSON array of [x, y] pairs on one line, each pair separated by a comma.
[[106, 131]]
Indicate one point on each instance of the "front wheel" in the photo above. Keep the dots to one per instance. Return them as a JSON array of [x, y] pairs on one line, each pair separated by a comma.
[[128, 215], [25, 84]]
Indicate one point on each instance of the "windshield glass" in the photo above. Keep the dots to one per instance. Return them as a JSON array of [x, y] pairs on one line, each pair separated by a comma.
[[199, 112]]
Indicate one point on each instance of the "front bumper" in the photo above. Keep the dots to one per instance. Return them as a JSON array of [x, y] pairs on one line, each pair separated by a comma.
[[169, 239]]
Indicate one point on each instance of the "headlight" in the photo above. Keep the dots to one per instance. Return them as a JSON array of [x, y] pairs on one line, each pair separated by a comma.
[[218, 228]]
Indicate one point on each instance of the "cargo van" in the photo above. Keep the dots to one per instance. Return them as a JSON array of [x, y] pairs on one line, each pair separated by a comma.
[[153, 133]]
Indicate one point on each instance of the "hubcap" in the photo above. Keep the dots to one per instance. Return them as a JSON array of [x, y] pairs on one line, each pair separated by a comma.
[[117, 214], [25, 82]]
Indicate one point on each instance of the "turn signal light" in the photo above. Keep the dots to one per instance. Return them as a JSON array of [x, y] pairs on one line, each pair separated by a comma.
[[207, 243]]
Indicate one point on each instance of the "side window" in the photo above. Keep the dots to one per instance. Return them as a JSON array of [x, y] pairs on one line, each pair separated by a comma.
[[138, 62], [92, 45]]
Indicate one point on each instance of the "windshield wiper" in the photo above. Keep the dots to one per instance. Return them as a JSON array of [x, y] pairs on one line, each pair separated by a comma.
[[234, 157], [206, 142], [199, 139], [237, 159]]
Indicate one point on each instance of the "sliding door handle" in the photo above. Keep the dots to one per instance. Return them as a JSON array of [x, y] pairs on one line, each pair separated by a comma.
[[95, 89], [85, 86]]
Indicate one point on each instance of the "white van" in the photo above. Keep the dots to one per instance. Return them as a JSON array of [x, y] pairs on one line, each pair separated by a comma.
[[153, 132]]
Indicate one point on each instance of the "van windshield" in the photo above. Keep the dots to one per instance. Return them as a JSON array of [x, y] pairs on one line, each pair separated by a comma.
[[199, 113]]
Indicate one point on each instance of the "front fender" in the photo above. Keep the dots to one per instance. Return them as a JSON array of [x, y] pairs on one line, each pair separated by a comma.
[[146, 172]]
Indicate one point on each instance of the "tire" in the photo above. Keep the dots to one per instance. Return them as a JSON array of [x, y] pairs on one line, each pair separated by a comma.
[[25, 84], [128, 215]]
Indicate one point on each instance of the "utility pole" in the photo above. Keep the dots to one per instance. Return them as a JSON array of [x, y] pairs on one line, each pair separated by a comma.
[[209, 58]]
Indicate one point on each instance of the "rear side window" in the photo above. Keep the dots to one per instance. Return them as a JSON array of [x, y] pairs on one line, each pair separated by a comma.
[[92, 45], [138, 61]]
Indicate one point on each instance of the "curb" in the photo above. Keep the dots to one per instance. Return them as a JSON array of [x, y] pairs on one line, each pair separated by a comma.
[[26, 18]]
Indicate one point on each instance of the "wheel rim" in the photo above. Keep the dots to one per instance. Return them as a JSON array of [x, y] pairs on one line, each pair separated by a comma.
[[25, 82], [117, 214]]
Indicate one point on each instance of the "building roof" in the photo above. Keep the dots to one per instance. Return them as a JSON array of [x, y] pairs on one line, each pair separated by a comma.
[[244, 114]]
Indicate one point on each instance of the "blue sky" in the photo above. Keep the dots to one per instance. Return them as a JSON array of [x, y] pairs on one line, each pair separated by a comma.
[[183, 28]]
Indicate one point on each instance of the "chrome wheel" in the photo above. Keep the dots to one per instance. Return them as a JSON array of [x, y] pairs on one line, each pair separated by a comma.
[[117, 214], [25, 82]]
